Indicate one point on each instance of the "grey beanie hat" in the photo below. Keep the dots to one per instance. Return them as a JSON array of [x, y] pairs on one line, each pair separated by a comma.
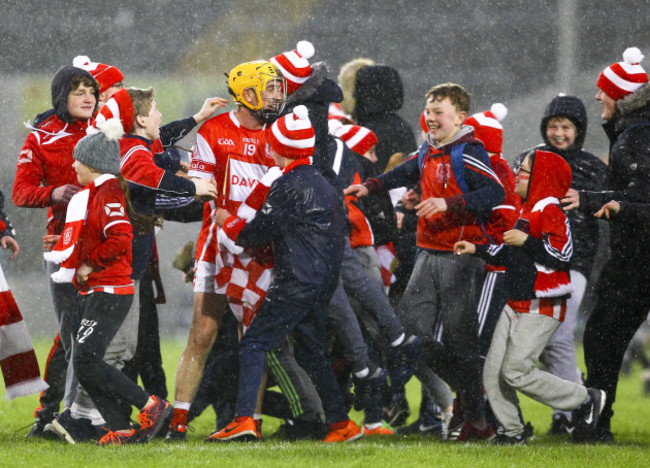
[[101, 150]]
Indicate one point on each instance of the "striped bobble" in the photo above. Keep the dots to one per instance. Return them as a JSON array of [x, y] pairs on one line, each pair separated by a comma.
[[294, 65], [623, 78], [292, 136], [358, 139], [488, 128]]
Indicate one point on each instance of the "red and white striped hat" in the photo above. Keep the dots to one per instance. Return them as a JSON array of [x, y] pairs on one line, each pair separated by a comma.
[[488, 128], [623, 78], [423, 122], [294, 65], [358, 139], [292, 135], [106, 75], [335, 112], [119, 106]]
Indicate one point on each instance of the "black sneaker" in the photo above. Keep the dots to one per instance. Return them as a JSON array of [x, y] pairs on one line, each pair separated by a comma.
[[398, 411], [502, 439], [529, 431], [370, 372], [561, 425], [166, 426], [420, 427], [300, 429], [403, 361], [36, 432], [71, 430], [599, 436], [585, 416], [176, 434]]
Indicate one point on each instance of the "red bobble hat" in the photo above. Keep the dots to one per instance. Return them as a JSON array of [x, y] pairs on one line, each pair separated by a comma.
[[292, 135], [623, 78], [294, 65], [358, 139], [488, 128], [119, 106], [335, 112], [423, 122], [106, 75]]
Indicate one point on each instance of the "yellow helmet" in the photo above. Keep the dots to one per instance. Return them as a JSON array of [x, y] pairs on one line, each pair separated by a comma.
[[257, 76]]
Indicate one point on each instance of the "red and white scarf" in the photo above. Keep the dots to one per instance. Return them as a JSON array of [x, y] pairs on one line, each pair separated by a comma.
[[17, 358], [242, 279], [388, 263], [65, 251]]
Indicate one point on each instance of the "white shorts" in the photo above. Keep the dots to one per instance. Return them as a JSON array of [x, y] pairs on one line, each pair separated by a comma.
[[204, 277]]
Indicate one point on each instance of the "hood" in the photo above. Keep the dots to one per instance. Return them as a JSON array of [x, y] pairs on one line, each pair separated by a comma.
[[318, 88], [573, 109], [464, 135], [316, 94], [347, 79], [637, 103], [631, 109], [550, 177], [61, 87], [378, 90]]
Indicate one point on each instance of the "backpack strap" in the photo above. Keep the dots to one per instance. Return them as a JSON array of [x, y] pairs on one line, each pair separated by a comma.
[[422, 152], [458, 166]]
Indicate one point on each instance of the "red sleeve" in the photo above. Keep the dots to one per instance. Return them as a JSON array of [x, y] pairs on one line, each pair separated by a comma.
[[139, 168], [507, 178], [503, 216], [27, 191], [117, 232], [233, 227]]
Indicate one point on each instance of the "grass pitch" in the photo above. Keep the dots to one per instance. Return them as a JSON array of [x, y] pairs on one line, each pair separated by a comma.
[[631, 426]]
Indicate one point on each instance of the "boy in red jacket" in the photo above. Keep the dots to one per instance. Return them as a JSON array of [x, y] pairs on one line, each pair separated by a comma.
[[536, 255]]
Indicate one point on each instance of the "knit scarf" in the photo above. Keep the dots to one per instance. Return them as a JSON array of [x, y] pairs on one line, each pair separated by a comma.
[[244, 279], [65, 251], [17, 358]]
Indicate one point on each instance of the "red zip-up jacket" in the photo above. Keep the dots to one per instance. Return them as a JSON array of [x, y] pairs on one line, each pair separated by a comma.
[[45, 163]]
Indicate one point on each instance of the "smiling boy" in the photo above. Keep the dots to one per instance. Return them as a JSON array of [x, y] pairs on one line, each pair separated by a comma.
[[45, 179], [459, 190]]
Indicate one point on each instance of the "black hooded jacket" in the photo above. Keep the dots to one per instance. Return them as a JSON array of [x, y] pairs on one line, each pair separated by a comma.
[[316, 94], [589, 173], [628, 176], [332, 157], [379, 94]]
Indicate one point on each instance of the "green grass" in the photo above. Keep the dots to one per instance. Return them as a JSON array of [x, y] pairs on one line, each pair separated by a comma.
[[630, 426]]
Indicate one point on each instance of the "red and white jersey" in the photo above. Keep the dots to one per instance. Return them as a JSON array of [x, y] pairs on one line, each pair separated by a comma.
[[235, 157]]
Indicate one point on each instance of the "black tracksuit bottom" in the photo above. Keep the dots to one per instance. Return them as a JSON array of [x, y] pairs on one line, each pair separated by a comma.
[[99, 316], [623, 304]]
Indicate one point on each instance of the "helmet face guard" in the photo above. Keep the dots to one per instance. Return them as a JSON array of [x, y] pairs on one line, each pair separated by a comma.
[[265, 80]]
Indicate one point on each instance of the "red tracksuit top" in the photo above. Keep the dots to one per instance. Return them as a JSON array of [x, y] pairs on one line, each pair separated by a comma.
[[44, 163], [105, 242]]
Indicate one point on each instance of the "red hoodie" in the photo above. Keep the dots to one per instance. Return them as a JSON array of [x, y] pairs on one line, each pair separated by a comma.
[[537, 272]]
